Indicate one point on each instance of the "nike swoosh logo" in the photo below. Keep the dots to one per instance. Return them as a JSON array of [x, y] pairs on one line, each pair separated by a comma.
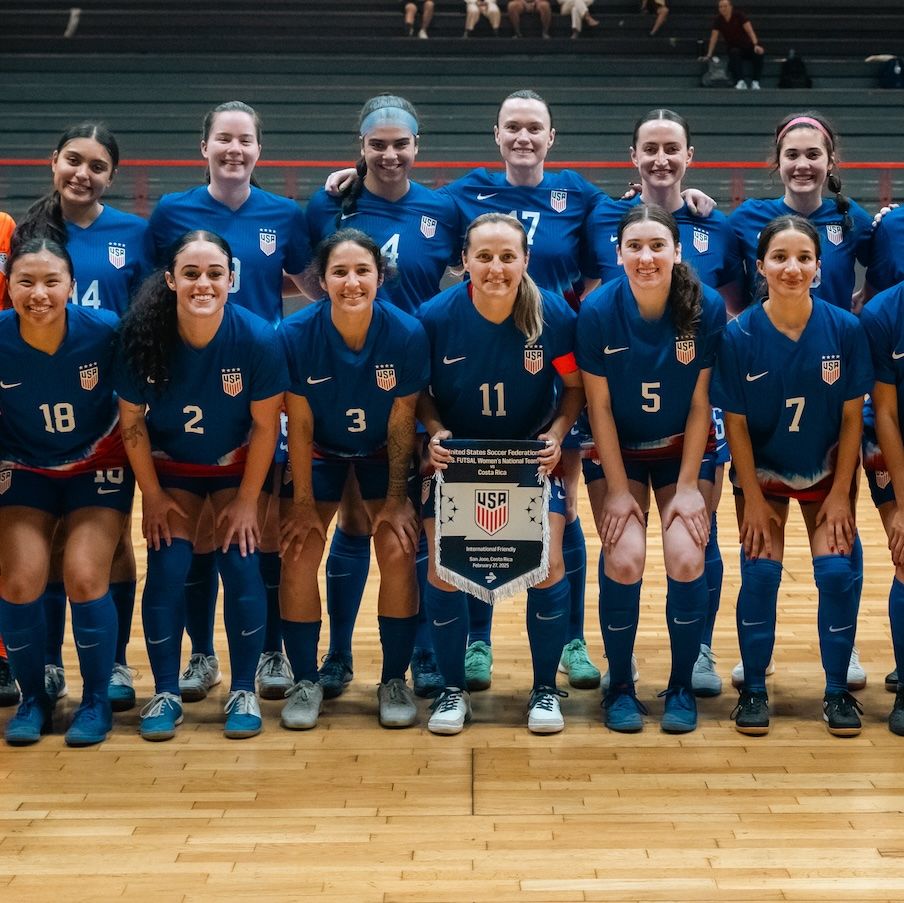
[[616, 629], [684, 623], [444, 623], [753, 379], [839, 629], [346, 216], [895, 356], [751, 623], [252, 632], [17, 648], [86, 646], [552, 618], [452, 360], [613, 238], [157, 642], [106, 491], [9, 385], [330, 574], [559, 496], [484, 197], [314, 382], [608, 350]]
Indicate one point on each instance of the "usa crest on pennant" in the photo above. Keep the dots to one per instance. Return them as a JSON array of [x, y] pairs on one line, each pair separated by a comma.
[[558, 200], [428, 226], [6, 479], [116, 254], [834, 233], [232, 382], [87, 376], [685, 350], [533, 360], [386, 377], [831, 368], [701, 240], [267, 241], [491, 509]]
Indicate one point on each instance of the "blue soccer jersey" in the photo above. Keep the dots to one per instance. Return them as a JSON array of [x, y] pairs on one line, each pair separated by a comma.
[[883, 321], [886, 265], [352, 392], [419, 236], [59, 410], [110, 258], [268, 234], [839, 250], [651, 371], [708, 243], [553, 213], [792, 393], [486, 380], [199, 422]]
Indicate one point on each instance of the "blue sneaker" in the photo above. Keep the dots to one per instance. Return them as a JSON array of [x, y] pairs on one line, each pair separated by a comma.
[[335, 673], [33, 718], [680, 713], [425, 676], [92, 721], [160, 717], [623, 711], [243, 715], [120, 690]]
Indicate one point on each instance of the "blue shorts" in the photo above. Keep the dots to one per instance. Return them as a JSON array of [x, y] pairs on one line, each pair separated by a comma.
[[656, 473], [579, 432], [722, 452], [428, 497], [113, 487], [877, 475], [203, 486], [328, 476]]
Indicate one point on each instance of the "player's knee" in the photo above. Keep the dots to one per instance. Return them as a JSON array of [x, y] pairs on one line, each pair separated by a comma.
[[833, 573], [763, 575]]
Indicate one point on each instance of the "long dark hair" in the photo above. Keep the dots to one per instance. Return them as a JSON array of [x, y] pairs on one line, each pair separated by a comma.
[[780, 224], [317, 268], [685, 300], [349, 196], [149, 332], [45, 216], [229, 106], [35, 245]]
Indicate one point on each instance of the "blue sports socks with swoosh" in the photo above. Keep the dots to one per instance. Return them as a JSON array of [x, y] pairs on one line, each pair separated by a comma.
[[397, 640], [896, 618], [448, 613], [547, 629], [480, 618], [686, 604], [301, 639], [713, 570], [24, 630], [836, 616], [54, 599], [123, 593], [271, 570], [574, 552], [756, 612], [94, 627], [619, 613], [201, 586], [424, 637], [346, 576], [244, 613]]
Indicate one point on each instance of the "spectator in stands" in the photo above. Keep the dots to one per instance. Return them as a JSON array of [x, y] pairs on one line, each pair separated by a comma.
[[657, 7], [411, 8], [579, 10], [474, 9], [517, 8], [741, 41]]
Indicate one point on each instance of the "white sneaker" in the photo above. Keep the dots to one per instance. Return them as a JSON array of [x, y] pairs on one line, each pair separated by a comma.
[[755, 85], [423, 35], [397, 705], [705, 681], [856, 675], [201, 673], [451, 711], [274, 675], [302, 710], [635, 675], [544, 711], [741, 85], [737, 673]]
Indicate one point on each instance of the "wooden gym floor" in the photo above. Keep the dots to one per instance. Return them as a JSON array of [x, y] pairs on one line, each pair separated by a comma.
[[352, 812]]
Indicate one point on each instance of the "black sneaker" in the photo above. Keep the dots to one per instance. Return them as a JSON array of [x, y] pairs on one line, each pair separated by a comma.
[[841, 712], [896, 718], [751, 714], [9, 692], [891, 681], [335, 673]]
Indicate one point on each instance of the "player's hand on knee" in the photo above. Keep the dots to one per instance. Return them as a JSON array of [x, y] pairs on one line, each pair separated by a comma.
[[688, 506], [296, 527], [618, 508], [155, 526], [239, 520]]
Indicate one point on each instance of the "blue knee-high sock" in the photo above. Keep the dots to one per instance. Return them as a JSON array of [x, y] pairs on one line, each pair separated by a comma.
[[24, 630], [756, 612], [857, 566], [713, 571], [574, 551], [619, 613], [163, 611], [301, 639], [424, 637], [346, 576], [397, 640], [271, 570], [448, 613], [480, 617], [201, 586], [547, 629], [244, 614], [686, 605], [55, 618], [123, 593], [896, 619], [94, 627], [836, 617]]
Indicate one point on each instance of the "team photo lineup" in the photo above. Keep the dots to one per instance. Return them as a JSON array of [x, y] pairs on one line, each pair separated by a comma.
[[654, 347]]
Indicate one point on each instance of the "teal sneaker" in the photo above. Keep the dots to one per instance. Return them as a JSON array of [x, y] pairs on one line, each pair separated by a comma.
[[479, 666], [582, 673], [92, 722], [121, 691], [243, 715], [680, 713], [33, 718], [160, 717], [623, 711]]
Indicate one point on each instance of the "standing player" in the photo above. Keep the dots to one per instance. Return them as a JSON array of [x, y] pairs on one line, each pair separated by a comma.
[[200, 388], [268, 236], [792, 374], [356, 364], [112, 253], [652, 337], [63, 460], [479, 332]]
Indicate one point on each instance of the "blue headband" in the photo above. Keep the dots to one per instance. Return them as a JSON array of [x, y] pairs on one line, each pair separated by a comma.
[[389, 116]]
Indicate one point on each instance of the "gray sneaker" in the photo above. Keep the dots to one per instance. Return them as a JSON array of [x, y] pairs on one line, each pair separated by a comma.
[[201, 673], [635, 675], [397, 706], [705, 680], [55, 682], [305, 701], [274, 675]]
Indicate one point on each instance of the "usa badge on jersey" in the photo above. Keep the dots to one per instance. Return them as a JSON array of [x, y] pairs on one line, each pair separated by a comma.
[[831, 368], [6, 480], [386, 378], [558, 200], [232, 381], [428, 226], [267, 241], [87, 376], [533, 360], [701, 240], [685, 350], [116, 254], [835, 233], [491, 509]]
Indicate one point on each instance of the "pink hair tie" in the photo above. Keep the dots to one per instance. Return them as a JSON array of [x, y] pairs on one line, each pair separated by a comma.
[[805, 120]]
